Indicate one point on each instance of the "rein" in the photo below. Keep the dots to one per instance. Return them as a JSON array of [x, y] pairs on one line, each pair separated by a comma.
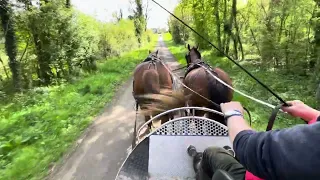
[[180, 68], [275, 110], [223, 53], [210, 101], [232, 60]]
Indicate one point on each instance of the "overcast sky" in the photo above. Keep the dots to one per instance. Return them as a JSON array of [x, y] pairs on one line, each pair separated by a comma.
[[103, 9]]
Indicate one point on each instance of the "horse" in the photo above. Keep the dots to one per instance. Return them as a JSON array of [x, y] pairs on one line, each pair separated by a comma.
[[150, 77], [200, 81]]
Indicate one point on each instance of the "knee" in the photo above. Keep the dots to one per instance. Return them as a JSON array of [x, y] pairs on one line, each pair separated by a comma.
[[214, 152]]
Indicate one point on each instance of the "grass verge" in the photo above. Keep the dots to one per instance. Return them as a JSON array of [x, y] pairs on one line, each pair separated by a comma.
[[37, 127], [288, 86]]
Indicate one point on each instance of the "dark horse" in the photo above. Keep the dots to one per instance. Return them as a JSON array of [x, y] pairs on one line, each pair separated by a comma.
[[149, 78], [201, 82]]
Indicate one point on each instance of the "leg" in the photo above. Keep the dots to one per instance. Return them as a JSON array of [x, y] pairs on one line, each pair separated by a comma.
[[215, 158]]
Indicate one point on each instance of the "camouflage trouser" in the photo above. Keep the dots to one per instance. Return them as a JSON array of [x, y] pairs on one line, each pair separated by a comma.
[[216, 158]]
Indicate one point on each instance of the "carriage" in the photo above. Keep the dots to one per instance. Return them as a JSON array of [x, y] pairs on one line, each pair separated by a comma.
[[162, 154]]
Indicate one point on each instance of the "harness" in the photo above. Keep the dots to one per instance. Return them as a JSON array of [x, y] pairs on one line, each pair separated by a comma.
[[197, 64], [151, 58]]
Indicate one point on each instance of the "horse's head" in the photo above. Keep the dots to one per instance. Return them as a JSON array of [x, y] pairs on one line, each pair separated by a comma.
[[193, 54], [154, 54]]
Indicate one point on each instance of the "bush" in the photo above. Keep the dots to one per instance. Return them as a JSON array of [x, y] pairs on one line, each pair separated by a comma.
[[116, 38]]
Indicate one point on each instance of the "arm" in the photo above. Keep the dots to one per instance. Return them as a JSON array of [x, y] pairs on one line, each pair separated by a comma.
[[282, 154], [265, 154], [235, 124]]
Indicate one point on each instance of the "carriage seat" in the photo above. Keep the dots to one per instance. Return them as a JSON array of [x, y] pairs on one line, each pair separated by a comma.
[[168, 154]]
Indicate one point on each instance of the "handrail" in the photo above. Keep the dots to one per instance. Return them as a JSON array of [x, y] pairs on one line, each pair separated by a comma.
[[183, 118], [177, 109]]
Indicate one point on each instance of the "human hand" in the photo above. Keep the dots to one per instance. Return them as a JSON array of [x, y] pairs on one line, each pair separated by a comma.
[[299, 109], [231, 106]]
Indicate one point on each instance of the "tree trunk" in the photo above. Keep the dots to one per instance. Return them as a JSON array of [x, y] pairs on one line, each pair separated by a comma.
[[316, 43], [255, 41], [224, 23], [44, 72], [146, 16], [139, 20], [236, 37], [10, 42], [228, 29], [237, 29], [68, 3], [43, 58], [216, 14]]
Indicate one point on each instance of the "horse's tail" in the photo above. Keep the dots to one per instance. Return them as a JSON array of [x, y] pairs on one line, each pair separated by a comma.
[[151, 84], [167, 99]]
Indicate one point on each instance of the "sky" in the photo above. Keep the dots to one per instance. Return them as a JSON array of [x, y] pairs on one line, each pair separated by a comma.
[[103, 9]]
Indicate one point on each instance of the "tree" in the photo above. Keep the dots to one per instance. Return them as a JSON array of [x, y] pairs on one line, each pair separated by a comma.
[[316, 28], [139, 19], [118, 16], [237, 38], [68, 3], [277, 34], [7, 23], [147, 10], [218, 23]]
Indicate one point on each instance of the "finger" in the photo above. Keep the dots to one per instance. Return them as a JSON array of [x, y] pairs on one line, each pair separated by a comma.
[[296, 102]]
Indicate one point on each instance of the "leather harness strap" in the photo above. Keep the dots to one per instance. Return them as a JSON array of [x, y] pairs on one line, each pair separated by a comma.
[[196, 65], [273, 117]]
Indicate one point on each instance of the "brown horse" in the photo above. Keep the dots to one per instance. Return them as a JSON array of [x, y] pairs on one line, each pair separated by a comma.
[[201, 82], [149, 77]]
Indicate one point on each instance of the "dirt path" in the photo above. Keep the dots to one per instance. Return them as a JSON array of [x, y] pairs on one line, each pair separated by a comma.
[[107, 143]]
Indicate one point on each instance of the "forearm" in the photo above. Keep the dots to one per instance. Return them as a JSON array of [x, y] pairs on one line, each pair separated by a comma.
[[236, 124]]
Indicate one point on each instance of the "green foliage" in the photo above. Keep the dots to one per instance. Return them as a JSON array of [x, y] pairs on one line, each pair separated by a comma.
[[287, 86], [7, 24], [117, 38], [37, 127], [139, 20], [56, 43], [277, 34], [180, 33]]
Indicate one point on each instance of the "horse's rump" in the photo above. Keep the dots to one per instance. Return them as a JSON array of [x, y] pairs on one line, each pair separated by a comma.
[[202, 82], [166, 80]]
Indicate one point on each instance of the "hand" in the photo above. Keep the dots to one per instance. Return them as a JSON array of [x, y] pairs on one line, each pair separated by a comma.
[[299, 109], [231, 106]]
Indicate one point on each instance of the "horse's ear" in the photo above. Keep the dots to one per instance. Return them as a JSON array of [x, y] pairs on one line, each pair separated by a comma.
[[189, 47], [197, 47], [157, 52]]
